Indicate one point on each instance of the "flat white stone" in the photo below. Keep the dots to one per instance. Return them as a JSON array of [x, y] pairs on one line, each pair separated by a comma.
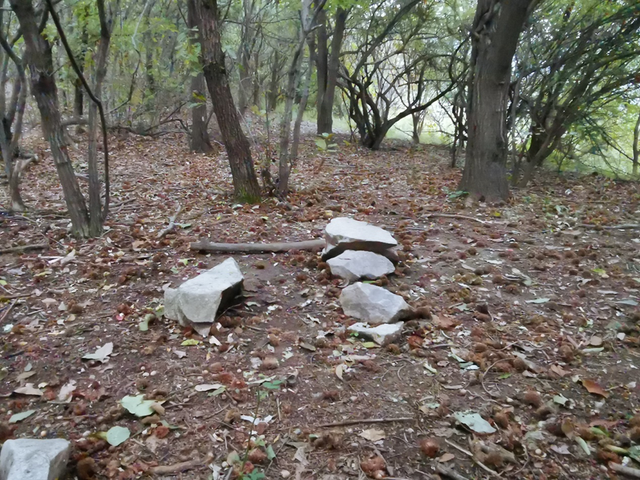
[[34, 459], [382, 334], [353, 265], [196, 301], [344, 233], [373, 304]]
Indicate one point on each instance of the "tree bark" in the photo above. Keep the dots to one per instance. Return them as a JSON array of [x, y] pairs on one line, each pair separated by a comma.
[[636, 147], [272, 95], [78, 98], [325, 107], [321, 62], [43, 87], [200, 141], [495, 33], [245, 182]]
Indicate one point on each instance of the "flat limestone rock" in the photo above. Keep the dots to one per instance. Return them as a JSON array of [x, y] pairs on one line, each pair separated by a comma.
[[196, 302], [34, 459], [382, 334], [353, 265], [373, 304], [344, 233]]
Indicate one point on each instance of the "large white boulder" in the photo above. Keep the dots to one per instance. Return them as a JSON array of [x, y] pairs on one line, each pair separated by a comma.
[[344, 233], [196, 302], [34, 459], [353, 265], [373, 304]]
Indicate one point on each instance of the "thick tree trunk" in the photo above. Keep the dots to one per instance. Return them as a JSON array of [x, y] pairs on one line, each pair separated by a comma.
[[245, 183], [496, 29], [43, 87], [200, 141], [636, 147], [325, 106]]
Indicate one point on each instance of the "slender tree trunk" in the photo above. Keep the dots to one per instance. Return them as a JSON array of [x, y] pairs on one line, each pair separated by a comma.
[[321, 62], [200, 141], [636, 147], [95, 187], [78, 98], [272, 96], [495, 32], [325, 108], [245, 183], [293, 156], [43, 88]]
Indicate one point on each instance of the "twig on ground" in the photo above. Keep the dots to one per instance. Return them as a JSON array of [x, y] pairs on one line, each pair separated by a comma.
[[24, 248], [257, 247], [172, 224], [181, 467], [459, 217], [492, 395], [366, 420], [476, 461], [628, 471], [4, 315], [626, 226], [441, 469]]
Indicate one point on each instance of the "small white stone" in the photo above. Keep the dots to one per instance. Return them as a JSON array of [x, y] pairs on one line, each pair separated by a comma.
[[285, 473]]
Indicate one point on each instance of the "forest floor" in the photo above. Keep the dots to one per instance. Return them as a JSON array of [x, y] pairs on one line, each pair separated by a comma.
[[532, 321]]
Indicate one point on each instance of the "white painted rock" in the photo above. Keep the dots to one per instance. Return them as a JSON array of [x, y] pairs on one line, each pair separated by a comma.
[[196, 301], [353, 265], [382, 334], [34, 459], [348, 234], [373, 304]]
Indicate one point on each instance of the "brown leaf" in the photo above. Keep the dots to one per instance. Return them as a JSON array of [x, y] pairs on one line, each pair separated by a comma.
[[445, 322], [593, 387]]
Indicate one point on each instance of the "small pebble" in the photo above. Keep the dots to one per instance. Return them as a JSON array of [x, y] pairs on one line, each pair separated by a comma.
[[43, 433], [538, 451], [285, 473], [145, 374], [154, 373]]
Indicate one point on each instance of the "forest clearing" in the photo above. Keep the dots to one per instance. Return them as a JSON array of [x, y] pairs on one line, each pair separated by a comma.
[[323, 240]]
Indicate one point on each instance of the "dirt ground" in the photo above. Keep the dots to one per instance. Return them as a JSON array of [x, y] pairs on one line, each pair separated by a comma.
[[526, 314]]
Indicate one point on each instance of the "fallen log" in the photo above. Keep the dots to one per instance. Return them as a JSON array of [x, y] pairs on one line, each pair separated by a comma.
[[24, 248], [206, 246]]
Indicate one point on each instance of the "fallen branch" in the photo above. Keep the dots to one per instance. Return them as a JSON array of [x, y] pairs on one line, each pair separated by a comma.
[[460, 217], [366, 420], [172, 224], [447, 472], [257, 247], [630, 472], [5, 314], [24, 248], [476, 461], [180, 467], [625, 226]]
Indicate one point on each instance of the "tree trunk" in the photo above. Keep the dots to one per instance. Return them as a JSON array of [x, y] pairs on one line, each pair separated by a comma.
[[636, 147], [244, 55], [293, 156], [495, 32], [78, 99], [95, 187], [245, 183], [272, 95], [200, 141], [325, 105], [321, 63], [43, 88]]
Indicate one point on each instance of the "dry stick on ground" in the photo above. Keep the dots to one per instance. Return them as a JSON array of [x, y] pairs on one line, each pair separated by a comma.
[[172, 223], [257, 247], [477, 462], [442, 470], [24, 248], [4, 315], [460, 217], [627, 226], [180, 467], [366, 420], [630, 472]]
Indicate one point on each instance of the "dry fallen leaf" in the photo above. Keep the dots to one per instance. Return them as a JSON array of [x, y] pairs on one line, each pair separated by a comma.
[[447, 457], [593, 387], [29, 389], [372, 434]]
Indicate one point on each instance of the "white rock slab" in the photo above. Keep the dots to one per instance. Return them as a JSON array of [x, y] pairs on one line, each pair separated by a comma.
[[344, 233], [196, 301], [353, 265], [382, 334], [34, 459], [373, 304]]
